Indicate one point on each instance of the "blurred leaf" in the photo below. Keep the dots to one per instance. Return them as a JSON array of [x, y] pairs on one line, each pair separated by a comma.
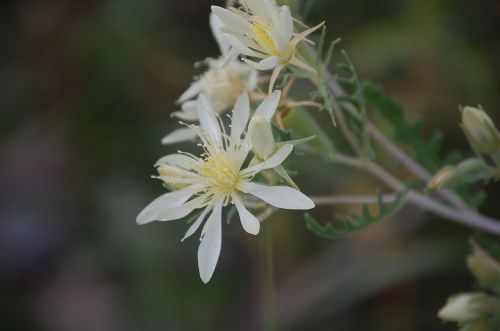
[[350, 224], [303, 125]]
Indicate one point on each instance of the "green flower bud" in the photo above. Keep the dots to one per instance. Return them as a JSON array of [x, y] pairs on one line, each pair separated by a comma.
[[485, 269], [261, 137], [467, 171], [480, 130], [468, 307]]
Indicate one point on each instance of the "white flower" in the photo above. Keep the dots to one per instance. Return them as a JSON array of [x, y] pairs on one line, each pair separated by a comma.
[[224, 81], [264, 31], [219, 177]]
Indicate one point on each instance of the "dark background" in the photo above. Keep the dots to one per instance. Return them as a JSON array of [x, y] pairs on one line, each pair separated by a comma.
[[86, 88]]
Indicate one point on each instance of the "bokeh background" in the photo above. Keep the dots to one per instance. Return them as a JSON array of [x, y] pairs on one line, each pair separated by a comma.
[[86, 88]]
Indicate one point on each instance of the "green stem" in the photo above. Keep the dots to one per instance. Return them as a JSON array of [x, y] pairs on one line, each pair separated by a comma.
[[267, 270]]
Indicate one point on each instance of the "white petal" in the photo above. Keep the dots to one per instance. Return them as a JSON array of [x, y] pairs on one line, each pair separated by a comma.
[[166, 201], [196, 224], [250, 223], [178, 136], [268, 107], [253, 80], [216, 25], [241, 113], [266, 64], [210, 246], [240, 46], [174, 213], [177, 160], [208, 120], [231, 19], [272, 162], [278, 196], [191, 92], [286, 21]]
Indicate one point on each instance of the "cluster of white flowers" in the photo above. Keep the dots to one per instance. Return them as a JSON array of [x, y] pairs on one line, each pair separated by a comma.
[[226, 172]]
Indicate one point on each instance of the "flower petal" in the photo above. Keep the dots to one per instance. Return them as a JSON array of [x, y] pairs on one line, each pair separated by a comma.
[[266, 64], [278, 196], [208, 120], [272, 162], [231, 20], [166, 201], [177, 160], [196, 224], [250, 223], [241, 113], [268, 107], [178, 136], [174, 213], [240, 46], [286, 22], [191, 92], [210, 246], [216, 25]]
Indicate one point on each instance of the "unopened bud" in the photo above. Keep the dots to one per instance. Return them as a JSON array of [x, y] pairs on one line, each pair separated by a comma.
[[480, 130], [485, 268], [464, 308], [261, 137], [465, 172]]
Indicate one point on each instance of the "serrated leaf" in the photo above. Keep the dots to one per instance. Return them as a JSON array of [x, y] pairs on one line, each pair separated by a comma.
[[357, 121], [350, 224]]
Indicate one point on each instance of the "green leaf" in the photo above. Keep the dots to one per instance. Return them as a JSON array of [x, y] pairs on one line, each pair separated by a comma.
[[357, 121], [350, 224]]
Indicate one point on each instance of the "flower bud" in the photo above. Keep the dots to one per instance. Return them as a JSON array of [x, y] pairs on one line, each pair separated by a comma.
[[485, 269], [467, 171], [261, 137], [480, 130], [467, 307]]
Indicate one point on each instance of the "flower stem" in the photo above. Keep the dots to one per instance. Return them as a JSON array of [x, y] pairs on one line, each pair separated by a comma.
[[267, 270]]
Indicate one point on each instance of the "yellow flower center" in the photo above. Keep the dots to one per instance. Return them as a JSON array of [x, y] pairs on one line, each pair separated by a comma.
[[262, 31], [222, 172]]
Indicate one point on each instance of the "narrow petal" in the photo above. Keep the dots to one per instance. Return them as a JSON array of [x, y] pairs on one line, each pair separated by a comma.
[[174, 213], [241, 113], [216, 25], [196, 224], [266, 64], [166, 201], [250, 223], [231, 20], [207, 119], [178, 136], [272, 162], [190, 93], [210, 246], [177, 160], [268, 107], [286, 21], [240, 46], [278, 196]]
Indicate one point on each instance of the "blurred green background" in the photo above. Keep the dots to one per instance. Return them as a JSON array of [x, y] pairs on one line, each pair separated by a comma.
[[86, 88]]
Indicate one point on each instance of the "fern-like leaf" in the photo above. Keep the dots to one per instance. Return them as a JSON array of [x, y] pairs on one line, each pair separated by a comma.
[[350, 224]]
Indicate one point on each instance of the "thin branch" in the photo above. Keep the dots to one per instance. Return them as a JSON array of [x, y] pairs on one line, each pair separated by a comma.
[[353, 199], [393, 150]]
